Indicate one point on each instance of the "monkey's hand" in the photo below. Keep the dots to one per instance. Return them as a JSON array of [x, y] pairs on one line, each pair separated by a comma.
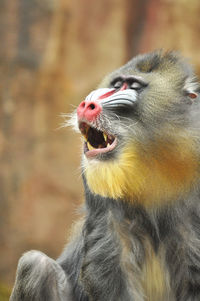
[[40, 278]]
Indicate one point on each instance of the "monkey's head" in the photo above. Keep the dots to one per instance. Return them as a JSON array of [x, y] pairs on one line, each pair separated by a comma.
[[141, 131]]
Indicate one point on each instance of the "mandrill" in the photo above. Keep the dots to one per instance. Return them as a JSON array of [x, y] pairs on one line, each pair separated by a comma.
[[139, 239]]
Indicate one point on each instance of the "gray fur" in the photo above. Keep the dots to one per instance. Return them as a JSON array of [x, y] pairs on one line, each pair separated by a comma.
[[40, 278]]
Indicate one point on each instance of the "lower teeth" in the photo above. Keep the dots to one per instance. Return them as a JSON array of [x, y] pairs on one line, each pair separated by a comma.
[[90, 147], [108, 140]]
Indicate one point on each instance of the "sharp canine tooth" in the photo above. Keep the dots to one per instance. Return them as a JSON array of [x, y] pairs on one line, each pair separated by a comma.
[[108, 144], [90, 147], [105, 136]]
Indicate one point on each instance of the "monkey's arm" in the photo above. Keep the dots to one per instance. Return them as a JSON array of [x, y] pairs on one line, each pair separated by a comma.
[[40, 278]]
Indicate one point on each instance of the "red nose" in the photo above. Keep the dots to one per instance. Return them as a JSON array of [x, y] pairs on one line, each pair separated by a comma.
[[89, 110]]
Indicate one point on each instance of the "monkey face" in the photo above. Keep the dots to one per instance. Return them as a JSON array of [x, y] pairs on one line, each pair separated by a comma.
[[97, 117], [138, 129], [106, 115]]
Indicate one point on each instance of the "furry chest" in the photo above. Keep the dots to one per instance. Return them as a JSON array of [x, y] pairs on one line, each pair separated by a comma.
[[155, 277], [147, 276], [151, 280]]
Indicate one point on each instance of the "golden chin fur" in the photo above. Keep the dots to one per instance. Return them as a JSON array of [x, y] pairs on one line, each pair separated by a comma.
[[166, 170]]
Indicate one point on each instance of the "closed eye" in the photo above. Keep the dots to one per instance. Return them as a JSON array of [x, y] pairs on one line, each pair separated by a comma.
[[117, 83], [135, 83], [136, 86]]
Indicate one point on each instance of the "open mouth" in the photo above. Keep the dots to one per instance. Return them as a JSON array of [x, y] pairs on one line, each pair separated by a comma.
[[96, 141]]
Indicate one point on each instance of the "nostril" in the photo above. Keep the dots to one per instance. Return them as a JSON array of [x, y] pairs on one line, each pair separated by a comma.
[[89, 110], [82, 105], [92, 106]]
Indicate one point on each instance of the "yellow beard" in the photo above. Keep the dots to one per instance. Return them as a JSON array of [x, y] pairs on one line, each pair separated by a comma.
[[164, 172]]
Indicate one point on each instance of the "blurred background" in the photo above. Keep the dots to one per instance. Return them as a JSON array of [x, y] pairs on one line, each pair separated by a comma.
[[52, 54]]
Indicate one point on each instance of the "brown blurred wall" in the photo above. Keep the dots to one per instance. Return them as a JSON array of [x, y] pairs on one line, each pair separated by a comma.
[[52, 53]]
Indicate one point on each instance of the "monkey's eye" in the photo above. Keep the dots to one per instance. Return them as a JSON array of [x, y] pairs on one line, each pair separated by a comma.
[[135, 86], [117, 84]]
